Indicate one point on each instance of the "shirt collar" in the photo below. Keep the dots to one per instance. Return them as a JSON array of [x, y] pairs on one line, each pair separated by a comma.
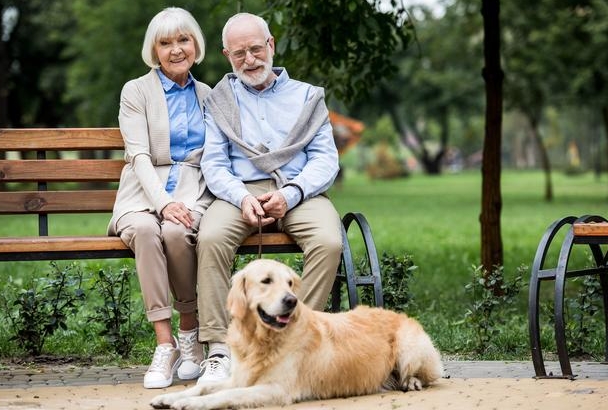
[[168, 84]]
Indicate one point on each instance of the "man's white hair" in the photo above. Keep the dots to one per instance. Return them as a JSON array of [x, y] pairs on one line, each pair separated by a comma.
[[244, 16]]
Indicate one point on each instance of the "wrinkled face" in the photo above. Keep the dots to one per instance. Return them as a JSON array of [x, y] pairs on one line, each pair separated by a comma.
[[176, 56], [265, 289], [250, 55]]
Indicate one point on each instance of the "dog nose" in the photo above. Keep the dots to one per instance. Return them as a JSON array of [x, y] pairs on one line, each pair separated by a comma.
[[290, 301]]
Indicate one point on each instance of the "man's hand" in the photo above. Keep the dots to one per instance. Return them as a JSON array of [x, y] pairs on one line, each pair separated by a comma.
[[251, 208], [177, 213], [274, 204]]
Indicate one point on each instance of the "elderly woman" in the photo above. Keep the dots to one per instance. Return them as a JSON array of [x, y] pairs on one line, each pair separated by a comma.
[[162, 195]]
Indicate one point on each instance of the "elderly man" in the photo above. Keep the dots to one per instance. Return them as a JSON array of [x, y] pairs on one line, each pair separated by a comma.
[[270, 156]]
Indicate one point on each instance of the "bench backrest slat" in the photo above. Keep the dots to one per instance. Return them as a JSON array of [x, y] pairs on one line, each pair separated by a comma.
[[61, 170], [53, 202], [78, 165], [60, 139]]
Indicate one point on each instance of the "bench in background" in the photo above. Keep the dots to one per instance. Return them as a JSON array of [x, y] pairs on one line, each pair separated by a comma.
[[54, 171], [588, 230]]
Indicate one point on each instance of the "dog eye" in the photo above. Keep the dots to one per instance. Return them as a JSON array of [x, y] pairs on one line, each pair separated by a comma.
[[290, 283], [267, 281]]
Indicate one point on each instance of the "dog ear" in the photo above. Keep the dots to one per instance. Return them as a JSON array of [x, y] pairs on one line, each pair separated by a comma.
[[237, 297]]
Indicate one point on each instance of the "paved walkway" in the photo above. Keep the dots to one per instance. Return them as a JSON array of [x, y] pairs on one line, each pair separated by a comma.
[[70, 375], [494, 385]]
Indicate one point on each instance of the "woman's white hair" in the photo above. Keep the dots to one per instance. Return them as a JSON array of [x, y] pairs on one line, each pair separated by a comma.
[[168, 23], [245, 16]]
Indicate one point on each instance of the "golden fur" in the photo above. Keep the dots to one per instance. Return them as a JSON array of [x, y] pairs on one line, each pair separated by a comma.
[[284, 352]]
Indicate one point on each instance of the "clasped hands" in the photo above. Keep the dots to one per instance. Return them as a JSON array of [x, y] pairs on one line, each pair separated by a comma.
[[269, 206]]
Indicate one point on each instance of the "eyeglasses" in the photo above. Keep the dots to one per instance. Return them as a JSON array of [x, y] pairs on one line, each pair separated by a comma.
[[256, 50]]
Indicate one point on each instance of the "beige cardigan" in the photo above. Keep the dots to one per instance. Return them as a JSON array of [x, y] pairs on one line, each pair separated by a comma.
[[144, 124]]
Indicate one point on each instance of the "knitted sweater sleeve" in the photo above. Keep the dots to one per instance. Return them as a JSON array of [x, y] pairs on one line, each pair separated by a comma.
[[134, 128]]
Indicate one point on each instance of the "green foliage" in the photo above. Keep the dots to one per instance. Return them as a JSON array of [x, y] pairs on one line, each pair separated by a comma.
[[584, 327], [121, 318], [43, 306], [396, 272], [492, 299], [348, 54]]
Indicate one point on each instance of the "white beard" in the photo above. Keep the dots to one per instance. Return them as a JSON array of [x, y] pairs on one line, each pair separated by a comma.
[[255, 79]]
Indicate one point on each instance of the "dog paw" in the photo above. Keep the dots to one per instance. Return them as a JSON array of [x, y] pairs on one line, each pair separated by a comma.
[[162, 401], [414, 384], [189, 403]]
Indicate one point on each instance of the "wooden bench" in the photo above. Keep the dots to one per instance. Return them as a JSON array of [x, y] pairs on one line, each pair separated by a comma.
[[588, 230], [54, 171]]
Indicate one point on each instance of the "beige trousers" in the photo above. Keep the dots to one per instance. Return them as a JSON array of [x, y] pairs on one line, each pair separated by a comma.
[[165, 260], [315, 225]]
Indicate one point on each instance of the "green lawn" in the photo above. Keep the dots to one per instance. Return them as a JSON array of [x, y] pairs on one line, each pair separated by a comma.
[[435, 219]]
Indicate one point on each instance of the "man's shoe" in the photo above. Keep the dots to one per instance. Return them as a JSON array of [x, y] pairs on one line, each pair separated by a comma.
[[192, 355], [164, 362], [215, 369]]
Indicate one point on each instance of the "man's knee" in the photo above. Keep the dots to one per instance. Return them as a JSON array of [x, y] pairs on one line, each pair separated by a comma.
[[211, 234]]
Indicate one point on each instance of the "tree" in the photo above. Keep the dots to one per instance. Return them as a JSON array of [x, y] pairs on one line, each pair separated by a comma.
[[437, 85], [34, 63], [527, 61], [491, 198], [344, 46]]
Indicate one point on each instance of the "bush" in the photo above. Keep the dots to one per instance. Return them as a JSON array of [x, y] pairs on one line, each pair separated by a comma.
[[492, 303], [42, 307], [121, 318], [396, 272]]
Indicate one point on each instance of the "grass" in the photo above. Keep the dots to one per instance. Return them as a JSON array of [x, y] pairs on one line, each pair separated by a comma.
[[435, 219]]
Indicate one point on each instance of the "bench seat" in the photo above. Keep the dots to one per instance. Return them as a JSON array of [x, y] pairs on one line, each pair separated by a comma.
[[94, 247]]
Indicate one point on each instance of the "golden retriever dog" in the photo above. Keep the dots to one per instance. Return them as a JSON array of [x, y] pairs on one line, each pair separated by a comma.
[[284, 352]]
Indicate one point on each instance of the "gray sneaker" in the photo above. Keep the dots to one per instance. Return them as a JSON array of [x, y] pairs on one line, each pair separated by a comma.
[[164, 362], [192, 355], [215, 369]]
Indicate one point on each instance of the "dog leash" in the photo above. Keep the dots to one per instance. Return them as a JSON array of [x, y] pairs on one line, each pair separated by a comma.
[[259, 236]]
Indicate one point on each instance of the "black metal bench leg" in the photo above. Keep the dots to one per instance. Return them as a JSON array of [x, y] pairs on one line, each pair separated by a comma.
[[560, 327], [371, 254], [604, 283], [533, 326], [345, 274], [537, 275]]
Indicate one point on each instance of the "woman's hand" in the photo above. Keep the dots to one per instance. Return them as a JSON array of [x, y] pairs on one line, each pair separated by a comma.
[[177, 213]]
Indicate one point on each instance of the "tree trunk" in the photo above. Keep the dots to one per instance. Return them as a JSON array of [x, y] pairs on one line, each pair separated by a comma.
[[605, 118], [491, 201], [544, 157]]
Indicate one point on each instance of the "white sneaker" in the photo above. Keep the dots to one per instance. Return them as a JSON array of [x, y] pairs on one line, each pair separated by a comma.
[[192, 355], [215, 369], [164, 362]]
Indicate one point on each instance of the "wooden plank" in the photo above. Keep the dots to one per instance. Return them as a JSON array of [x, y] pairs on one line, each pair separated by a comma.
[[33, 202], [590, 229], [274, 238], [61, 170], [106, 243], [60, 139], [60, 244]]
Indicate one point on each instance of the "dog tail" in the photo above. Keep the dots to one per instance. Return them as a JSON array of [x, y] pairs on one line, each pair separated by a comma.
[[418, 361]]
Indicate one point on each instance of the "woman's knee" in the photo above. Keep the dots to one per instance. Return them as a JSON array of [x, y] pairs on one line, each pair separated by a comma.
[[173, 233], [143, 231]]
